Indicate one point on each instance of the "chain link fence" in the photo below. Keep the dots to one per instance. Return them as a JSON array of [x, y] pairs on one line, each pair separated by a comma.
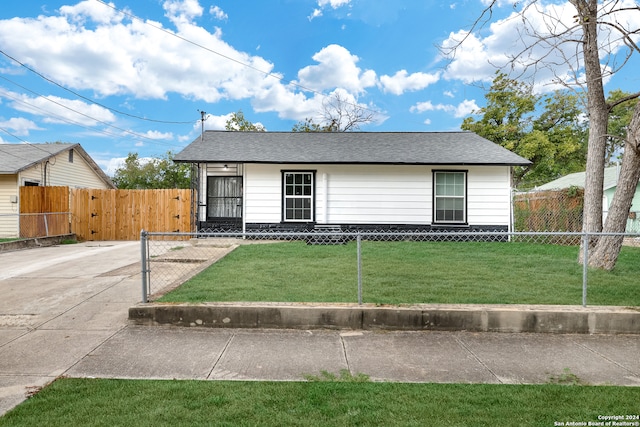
[[34, 225], [378, 259], [558, 210]]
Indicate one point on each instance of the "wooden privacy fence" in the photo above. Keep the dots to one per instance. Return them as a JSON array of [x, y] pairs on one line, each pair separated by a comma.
[[35, 202], [96, 214], [121, 214], [559, 210]]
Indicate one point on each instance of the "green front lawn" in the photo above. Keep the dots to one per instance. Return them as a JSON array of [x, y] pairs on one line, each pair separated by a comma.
[[413, 272], [97, 402]]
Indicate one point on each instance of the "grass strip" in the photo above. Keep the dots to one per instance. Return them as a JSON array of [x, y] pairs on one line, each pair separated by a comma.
[[411, 273], [100, 402]]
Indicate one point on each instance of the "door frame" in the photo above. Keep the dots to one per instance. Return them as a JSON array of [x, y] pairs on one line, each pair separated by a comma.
[[235, 221]]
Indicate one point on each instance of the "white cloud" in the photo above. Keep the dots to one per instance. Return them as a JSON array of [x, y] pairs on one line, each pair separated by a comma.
[[92, 10], [336, 68], [421, 107], [402, 81], [448, 94], [218, 13], [153, 134], [323, 4], [19, 125], [465, 108], [333, 3], [59, 110], [134, 59], [182, 10], [110, 165], [212, 123], [130, 57], [461, 110], [315, 14], [506, 42], [471, 62]]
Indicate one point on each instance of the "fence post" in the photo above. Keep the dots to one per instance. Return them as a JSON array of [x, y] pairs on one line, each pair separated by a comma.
[[359, 248], [143, 263], [585, 266]]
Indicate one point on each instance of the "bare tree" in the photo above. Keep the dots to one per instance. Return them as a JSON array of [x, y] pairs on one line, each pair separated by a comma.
[[600, 29], [340, 114]]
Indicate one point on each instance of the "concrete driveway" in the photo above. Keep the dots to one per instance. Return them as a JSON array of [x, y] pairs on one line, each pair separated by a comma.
[[57, 304]]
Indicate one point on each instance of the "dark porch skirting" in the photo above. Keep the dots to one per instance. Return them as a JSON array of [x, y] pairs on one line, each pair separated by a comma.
[[457, 233]]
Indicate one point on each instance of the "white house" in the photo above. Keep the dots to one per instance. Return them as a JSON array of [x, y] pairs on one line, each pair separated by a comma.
[[351, 180], [42, 165]]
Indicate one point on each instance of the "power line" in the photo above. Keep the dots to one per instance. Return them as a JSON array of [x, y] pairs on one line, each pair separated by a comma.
[[89, 99], [15, 136], [135, 134], [22, 140], [244, 64]]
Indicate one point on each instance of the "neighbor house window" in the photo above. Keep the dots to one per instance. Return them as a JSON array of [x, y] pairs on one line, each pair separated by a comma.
[[298, 193], [70, 156], [450, 196]]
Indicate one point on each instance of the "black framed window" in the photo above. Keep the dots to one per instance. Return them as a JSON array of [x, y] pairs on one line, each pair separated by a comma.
[[450, 196], [298, 190]]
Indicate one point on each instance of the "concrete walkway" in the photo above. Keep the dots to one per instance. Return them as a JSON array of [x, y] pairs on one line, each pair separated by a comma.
[[63, 312]]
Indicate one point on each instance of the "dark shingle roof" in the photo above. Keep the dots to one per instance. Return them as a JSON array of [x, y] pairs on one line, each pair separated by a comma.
[[434, 148], [15, 158], [18, 157]]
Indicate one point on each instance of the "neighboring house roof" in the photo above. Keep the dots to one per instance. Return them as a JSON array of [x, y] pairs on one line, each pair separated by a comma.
[[578, 179], [15, 158], [432, 148]]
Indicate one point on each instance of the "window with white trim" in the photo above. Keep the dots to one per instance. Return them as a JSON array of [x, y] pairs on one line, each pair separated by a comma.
[[298, 196], [450, 196]]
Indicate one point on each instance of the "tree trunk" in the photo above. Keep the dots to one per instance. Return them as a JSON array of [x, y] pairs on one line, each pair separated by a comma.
[[608, 247], [598, 118]]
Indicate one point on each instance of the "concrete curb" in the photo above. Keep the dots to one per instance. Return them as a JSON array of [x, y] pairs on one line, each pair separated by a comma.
[[474, 318], [34, 243]]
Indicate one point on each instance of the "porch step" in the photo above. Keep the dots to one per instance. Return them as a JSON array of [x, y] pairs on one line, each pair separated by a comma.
[[327, 239]]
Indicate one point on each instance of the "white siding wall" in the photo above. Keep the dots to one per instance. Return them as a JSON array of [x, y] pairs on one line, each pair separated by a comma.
[[382, 194], [8, 211], [372, 194], [263, 193], [489, 195], [61, 172]]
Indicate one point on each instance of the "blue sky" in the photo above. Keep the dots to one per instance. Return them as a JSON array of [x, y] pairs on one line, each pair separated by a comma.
[[132, 76]]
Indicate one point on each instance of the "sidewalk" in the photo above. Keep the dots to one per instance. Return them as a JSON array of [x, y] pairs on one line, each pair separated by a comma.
[[64, 311]]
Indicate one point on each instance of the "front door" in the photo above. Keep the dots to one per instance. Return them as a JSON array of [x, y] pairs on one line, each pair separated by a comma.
[[224, 201]]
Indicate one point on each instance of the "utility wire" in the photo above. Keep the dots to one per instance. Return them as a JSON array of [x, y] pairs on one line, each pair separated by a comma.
[[71, 109], [89, 99], [15, 136], [2, 150], [229, 58]]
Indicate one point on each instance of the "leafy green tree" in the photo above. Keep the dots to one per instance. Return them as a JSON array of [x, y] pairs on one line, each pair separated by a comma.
[[552, 140], [620, 116], [137, 173], [562, 123], [239, 123], [308, 125]]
